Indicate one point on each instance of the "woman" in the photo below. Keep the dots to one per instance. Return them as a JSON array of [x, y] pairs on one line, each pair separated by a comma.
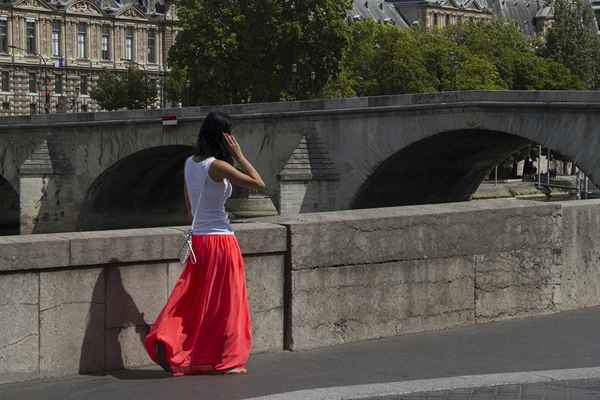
[[205, 326]]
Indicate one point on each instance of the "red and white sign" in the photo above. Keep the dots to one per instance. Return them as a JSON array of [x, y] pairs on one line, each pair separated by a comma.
[[169, 121]]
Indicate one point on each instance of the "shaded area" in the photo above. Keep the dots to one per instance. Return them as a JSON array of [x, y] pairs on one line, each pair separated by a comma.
[[443, 168], [9, 209], [142, 190]]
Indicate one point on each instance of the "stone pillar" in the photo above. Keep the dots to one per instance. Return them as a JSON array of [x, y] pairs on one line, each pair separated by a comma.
[[309, 180], [43, 191]]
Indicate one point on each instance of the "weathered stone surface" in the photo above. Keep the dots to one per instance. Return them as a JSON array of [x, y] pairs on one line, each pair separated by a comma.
[[32, 252], [174, 271], [517, 283], [350, 303], [135, 294], [265, 280], [417, 232], [128, 245], [580, 284], [125, 347], [260, 237], [19, 352], [72, 321]]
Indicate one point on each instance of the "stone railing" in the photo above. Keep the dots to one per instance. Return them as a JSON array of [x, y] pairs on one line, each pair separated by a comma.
[[79, 302]]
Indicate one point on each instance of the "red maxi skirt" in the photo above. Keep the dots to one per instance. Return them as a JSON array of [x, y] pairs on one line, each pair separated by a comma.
[[205, 325]]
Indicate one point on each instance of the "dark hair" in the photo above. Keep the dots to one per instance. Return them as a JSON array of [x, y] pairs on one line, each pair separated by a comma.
[[211, 142]]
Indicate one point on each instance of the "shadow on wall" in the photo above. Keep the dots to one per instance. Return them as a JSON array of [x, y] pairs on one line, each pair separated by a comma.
[[446, 167], [114, 321], [9, 209], [144, 189]]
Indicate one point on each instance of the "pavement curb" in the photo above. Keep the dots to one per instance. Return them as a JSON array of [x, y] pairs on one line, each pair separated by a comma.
[[381, 390]]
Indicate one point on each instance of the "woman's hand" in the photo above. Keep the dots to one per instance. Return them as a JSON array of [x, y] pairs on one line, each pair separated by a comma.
[[234, 146]]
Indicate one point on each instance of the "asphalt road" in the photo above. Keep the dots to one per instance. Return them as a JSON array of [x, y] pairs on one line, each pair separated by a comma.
[[560, 341]]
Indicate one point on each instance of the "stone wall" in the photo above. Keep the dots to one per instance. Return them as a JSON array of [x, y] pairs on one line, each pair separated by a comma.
[[78, 302]]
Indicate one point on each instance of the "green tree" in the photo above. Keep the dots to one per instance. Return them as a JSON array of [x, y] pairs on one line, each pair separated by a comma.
[[573, 40], [176, 84], [262, 50], [131, 89], [108, 91], [140, 91]]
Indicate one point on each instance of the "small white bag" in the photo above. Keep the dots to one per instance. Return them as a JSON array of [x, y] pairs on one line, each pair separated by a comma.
[[186, 250]]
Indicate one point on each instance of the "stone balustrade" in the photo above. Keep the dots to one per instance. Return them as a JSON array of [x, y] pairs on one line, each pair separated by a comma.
[[79, 302]]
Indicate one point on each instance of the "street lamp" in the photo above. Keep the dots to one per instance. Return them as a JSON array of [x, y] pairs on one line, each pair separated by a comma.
[[45, 61]]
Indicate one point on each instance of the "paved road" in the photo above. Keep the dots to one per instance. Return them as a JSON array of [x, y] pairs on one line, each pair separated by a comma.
[[560, 341]]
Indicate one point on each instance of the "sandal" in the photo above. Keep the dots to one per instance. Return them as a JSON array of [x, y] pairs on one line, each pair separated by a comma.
[[236, 371]]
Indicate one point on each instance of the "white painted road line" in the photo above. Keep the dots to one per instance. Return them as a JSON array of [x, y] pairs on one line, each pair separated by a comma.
[[357, 392]]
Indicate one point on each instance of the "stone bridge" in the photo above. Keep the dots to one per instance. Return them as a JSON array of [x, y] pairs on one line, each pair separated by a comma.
[[64, 172]]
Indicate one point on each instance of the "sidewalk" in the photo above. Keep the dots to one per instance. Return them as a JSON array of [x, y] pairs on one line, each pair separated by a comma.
[[561, 341]]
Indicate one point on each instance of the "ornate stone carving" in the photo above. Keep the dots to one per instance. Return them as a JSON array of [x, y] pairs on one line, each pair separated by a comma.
[[33, 4], [131, 12], [83, 7]]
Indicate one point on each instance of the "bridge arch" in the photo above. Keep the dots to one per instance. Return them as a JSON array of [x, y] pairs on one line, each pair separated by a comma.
[[143, 189], [445, 167], [9, 208]]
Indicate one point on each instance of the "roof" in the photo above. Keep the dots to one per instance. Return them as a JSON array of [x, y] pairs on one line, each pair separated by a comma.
[[523, 12], [379, 10]]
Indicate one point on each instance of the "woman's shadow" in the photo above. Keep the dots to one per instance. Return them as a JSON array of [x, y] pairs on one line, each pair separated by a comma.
[[101, 349]]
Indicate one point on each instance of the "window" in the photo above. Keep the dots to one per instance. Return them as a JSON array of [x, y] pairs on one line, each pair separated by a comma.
[[129, 48], [3, 36], [31, 39], [82, 40], [152, 46], [83, 85], [447, 19], [6, 105], [58, 84], [56, 38], [105, 43], [32, 108], [84, 108], [32, 82], [5, 81]]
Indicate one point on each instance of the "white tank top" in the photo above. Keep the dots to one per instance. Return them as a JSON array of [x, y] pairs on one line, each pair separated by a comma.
[[207, 199]]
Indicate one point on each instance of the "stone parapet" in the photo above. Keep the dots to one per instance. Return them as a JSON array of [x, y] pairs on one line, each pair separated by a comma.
[[81, 302]]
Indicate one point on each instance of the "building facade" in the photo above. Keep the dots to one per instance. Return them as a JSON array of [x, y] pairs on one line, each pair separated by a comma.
[[52, 53], [441, 13]]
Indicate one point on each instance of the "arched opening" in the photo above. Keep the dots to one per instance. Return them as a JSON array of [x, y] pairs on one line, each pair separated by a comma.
[[9, 209], [446, 167], [144, 189]]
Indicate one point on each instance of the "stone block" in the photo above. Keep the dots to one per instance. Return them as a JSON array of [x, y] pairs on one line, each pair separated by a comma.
[[135, 294], [419, 232], [26, 252], [265, 281], [127, 245], [19, 335], [125, 347], [350, 303], [259, 237], [72, 321], [516, 284], [174, 271], [580, 283]]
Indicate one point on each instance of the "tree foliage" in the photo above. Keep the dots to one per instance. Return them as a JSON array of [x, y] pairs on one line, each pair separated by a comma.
[[261, 50], [383, 59], [131, 89], [573, 41]]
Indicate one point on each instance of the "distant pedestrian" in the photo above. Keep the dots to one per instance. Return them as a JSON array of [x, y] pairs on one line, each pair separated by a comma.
[[205, 326]]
